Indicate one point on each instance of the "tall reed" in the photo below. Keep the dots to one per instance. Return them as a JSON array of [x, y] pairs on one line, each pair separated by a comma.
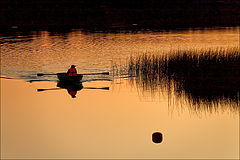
[[210, 75]]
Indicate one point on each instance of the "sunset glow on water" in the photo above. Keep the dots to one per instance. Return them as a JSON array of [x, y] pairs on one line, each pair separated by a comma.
[[117, 122]]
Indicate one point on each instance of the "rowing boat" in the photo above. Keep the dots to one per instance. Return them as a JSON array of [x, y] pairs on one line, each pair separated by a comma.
[[63, 77]]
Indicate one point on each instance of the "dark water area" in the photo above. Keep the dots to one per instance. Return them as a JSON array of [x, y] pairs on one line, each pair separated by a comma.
[[202, 76], [112, 16]]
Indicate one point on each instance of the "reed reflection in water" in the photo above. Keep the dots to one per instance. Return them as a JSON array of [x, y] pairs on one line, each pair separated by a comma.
[[209, 77]]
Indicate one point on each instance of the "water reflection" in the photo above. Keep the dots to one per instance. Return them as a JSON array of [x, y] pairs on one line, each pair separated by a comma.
[[16, 37], [112, 120], [72, 88], [210, 77], [99, 114], [53, 51], [60, 32]]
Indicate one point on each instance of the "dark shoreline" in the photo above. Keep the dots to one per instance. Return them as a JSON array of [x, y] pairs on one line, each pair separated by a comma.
[[114, 16]]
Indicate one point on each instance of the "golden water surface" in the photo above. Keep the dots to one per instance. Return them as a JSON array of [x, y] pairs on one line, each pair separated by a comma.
[[114, 123], [108, 124]]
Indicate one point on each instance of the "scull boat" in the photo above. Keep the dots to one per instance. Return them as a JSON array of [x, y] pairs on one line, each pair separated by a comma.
[[63, 77]]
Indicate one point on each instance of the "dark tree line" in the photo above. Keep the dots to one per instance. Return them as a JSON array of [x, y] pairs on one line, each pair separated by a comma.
[[107, 14]]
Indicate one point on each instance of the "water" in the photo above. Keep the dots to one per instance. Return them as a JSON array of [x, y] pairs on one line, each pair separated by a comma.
[[25, 55], [114, 123]]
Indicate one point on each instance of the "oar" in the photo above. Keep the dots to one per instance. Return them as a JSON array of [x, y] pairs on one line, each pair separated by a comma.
[[39, 90], [39, 80], [106, 73], [43, 74], [105, 88], [8, 78]]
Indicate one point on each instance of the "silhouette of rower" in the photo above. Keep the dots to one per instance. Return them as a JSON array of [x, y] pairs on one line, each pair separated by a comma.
[[72, 71]]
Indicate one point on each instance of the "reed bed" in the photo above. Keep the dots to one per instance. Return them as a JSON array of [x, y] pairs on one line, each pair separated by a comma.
[[209, 76]]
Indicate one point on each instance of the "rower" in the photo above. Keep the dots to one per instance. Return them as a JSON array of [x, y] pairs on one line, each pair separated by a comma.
[[72, 71]]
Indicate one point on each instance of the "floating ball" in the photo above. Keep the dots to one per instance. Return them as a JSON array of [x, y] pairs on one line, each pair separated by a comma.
[[157, 137]]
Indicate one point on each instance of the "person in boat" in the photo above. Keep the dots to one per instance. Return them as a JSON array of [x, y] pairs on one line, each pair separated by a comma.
[[72, 71]]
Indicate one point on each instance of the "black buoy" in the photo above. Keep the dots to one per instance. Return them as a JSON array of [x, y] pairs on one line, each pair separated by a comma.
[[157, 137]]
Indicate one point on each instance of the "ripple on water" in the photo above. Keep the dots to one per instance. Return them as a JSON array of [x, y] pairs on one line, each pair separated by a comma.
[[43, 52]]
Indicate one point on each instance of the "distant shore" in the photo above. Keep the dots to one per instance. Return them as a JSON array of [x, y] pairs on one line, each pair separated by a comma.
[[107, 15]]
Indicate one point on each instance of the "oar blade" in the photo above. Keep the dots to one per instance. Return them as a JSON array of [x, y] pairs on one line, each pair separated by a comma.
[[105, 73], [39, 90], [105, 88], [40, 74]]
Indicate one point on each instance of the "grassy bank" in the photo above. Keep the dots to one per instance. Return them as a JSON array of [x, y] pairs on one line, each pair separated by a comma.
[[208, 76]]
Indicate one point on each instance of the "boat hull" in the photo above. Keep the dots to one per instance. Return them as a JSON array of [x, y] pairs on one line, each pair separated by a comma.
[[63, 77]]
